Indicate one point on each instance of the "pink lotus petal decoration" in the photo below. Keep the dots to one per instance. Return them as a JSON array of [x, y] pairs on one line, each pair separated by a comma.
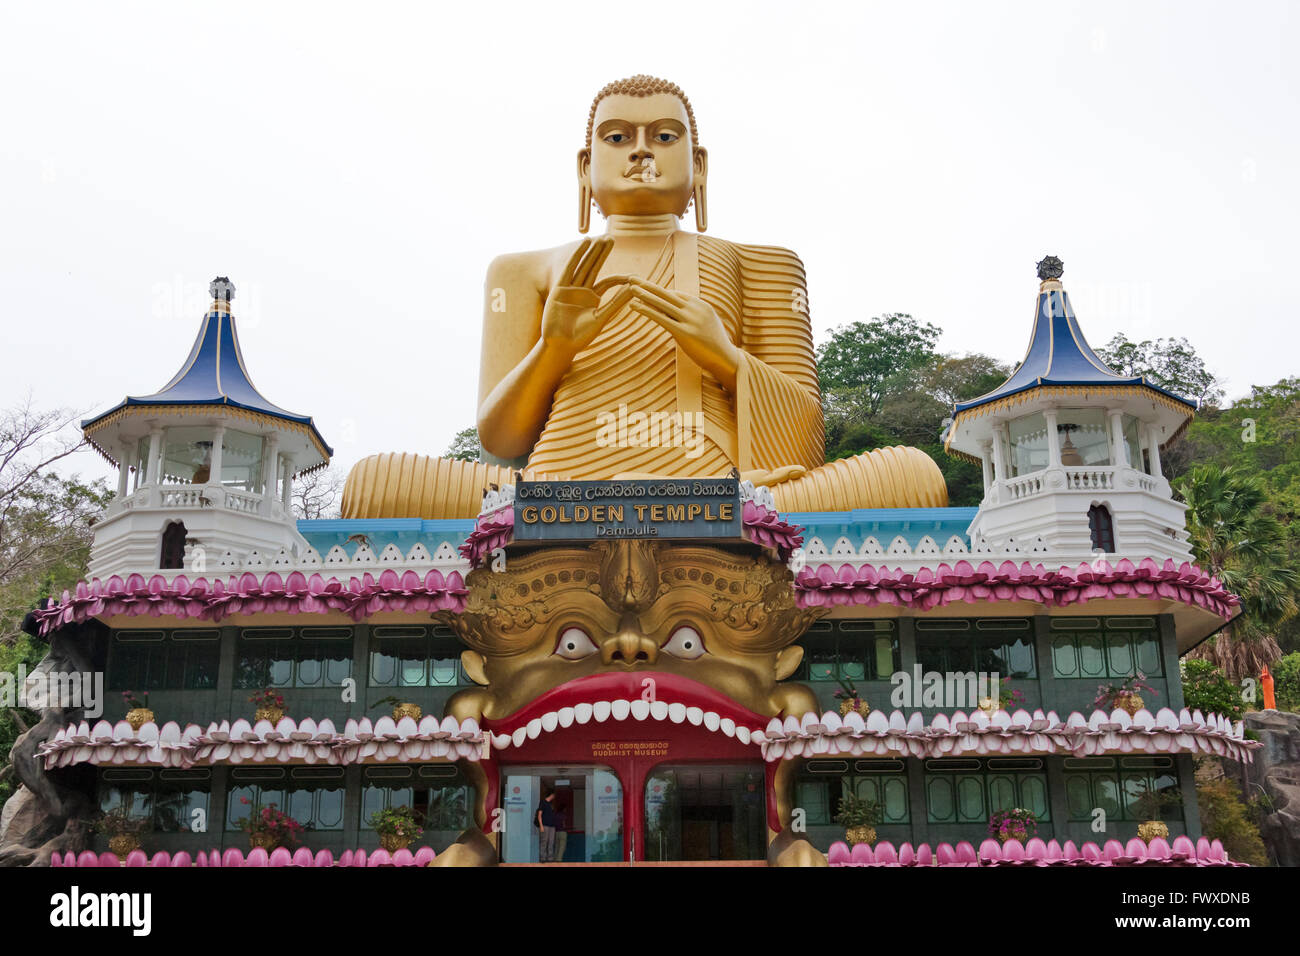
[[847, 584]]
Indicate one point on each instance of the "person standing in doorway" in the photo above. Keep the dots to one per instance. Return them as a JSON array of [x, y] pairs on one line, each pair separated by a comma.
[[546, 821]]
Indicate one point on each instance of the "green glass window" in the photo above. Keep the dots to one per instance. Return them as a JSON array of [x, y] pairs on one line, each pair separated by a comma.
[[850, 651], [1003, 646], [293, 657], [181, 659], [439, 794], [961, 790], [823, 782], [311, 795], [173, 801], [1089, 647], [414, 656], [1114, 785]]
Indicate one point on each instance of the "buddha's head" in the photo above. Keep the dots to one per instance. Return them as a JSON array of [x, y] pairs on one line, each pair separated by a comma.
[[709, 626], [642, 156]]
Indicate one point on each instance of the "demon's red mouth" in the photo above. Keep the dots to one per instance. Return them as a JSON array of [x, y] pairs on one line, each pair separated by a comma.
[[629, 696]]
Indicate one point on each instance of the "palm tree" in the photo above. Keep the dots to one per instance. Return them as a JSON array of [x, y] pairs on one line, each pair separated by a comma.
[[1235, 539]]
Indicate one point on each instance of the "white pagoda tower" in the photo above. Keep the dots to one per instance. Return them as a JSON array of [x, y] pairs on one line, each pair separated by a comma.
[[205, 466], [1071, 450]]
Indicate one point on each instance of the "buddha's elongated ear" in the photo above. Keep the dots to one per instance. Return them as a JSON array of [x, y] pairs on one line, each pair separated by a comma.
[[473, 663], [700, 192], [787, 662], [584, 190]]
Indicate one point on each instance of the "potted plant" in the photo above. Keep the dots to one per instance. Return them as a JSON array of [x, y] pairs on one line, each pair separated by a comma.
[[859, 817], [269, 827], [122, 829], [1124, 695], [1017, 824], [849, 699], [1007, 698], [397, 827], [270, 705], [401, 708], [137, 708], [1151, 805]]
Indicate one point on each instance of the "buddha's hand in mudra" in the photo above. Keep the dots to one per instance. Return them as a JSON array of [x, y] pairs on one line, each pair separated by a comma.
[[574, 314], [695, 325], [773, 476]]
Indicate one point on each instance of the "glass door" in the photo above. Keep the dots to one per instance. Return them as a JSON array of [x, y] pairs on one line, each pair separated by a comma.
[[705, 812], [586, 804]]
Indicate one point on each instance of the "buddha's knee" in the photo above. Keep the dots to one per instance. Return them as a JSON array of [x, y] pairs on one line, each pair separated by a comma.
[[405, 485], [894, 477]]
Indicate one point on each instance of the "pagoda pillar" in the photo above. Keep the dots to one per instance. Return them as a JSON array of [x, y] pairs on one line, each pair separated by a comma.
[[153, 476], [1153, 448], [1053, 439], [218, 439], [986, 463], [1000, 452], [270, 471], [1119, 452], [123, 467], [286, 491]]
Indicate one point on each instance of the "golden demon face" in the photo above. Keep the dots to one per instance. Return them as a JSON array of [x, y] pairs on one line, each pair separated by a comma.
[[589, 623]]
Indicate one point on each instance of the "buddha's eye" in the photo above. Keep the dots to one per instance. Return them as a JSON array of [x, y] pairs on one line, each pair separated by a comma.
[[666, 137], [617, 138], [685, 643], [574, 644]]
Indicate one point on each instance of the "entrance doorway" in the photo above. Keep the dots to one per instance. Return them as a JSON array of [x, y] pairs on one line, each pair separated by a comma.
[[588, 800], [705, 812]]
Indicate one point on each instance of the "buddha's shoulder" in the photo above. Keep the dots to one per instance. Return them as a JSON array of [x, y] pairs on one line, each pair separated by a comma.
[[776, 261], [535, 263]]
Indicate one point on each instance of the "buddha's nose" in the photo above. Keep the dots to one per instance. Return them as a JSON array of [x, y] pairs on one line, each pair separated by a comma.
[[628, 645], [642, 149]]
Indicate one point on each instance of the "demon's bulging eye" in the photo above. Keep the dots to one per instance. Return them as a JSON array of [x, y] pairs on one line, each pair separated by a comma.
[[574, 644], [685, 643]]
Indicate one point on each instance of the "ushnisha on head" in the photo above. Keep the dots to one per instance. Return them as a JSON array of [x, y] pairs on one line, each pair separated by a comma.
[[642, 156]]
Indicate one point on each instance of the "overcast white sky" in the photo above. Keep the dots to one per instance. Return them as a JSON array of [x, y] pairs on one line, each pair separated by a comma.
[[354, 167]]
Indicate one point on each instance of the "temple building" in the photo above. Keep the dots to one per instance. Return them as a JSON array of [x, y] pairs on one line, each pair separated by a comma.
[[651, 624], [712, 696]]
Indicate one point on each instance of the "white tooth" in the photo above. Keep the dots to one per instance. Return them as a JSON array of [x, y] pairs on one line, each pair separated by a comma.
[[694, 715], [549, 720], [712, 720], [728, 726], [742, 733], [640, 709], [501, 741], [566, 716], [534, 728], [519, 736], [582, 712], [659, 710], [677, 712], [620, 709], [600, 710]]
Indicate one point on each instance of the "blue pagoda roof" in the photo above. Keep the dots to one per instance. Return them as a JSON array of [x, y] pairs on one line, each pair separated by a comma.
[[214, 374], [1059, 355]]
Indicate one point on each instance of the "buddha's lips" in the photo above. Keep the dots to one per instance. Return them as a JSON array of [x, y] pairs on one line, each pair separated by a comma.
[[669, 689]]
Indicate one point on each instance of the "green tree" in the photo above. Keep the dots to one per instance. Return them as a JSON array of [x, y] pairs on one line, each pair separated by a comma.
[[45, 523], [862, 362], [465, 445], [1234, 538], [1171, 364]]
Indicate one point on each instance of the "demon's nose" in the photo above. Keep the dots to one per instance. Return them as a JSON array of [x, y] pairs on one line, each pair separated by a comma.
[[628, 645]]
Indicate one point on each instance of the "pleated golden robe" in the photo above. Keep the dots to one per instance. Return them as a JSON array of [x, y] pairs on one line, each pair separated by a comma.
[[634, 403]]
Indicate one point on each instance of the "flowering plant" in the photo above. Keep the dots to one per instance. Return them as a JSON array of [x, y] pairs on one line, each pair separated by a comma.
[[1018, 824], [847, 691], [857, 811], [1108, 695], [401, 822], [119, 822], [134, 701], [272, 822], [268, 698], [1009, 697]]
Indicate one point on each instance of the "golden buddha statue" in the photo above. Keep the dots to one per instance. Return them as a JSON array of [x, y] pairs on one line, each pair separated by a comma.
[[650, 351]]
